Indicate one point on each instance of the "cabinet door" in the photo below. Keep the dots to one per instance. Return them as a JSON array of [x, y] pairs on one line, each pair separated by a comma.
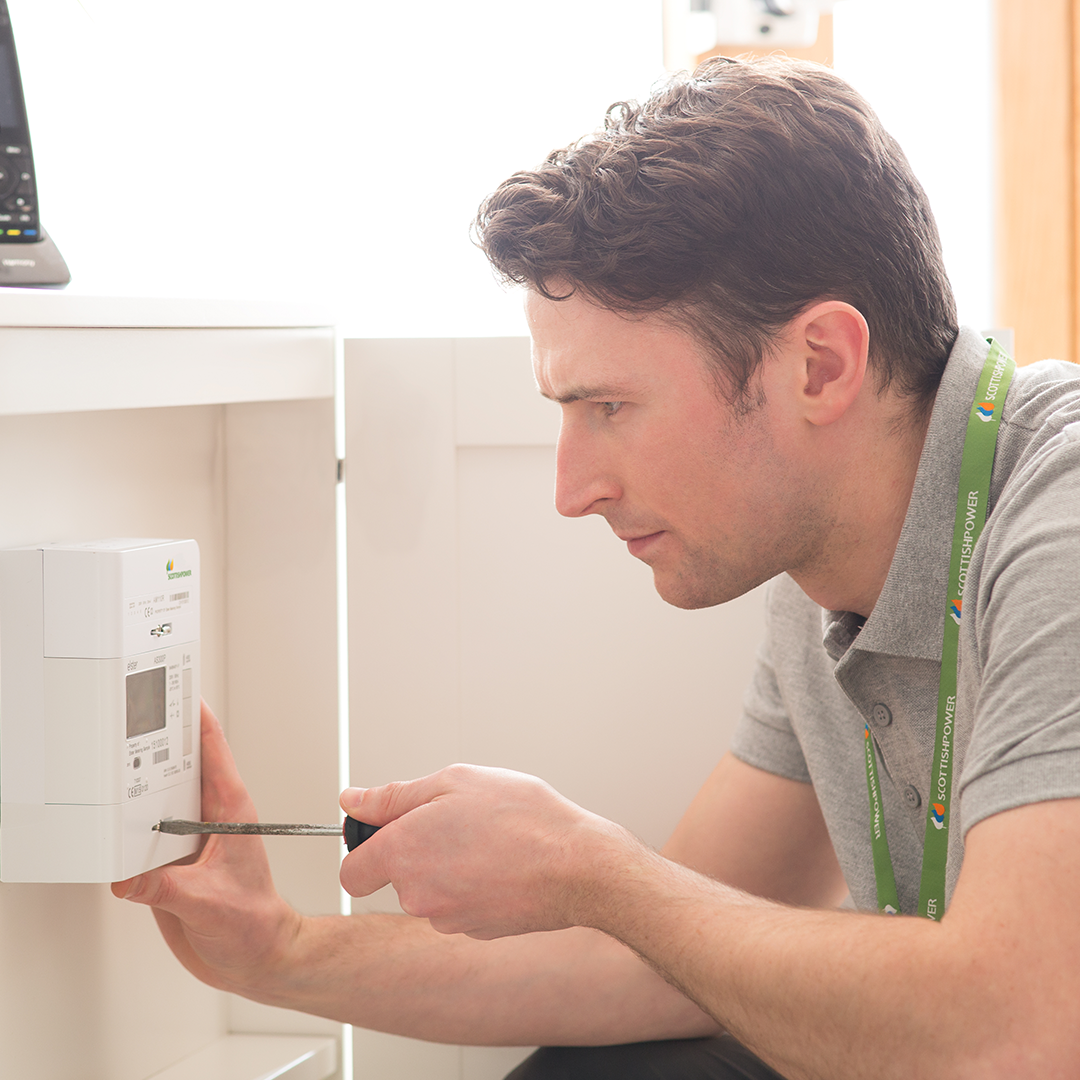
[[483, 627]]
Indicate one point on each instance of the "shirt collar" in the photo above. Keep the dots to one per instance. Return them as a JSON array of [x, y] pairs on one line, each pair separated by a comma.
[[907, 619]]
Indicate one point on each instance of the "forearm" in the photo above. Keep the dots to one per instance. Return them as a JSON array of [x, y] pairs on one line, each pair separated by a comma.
[[820, 993], [989, 992], [394, 973]]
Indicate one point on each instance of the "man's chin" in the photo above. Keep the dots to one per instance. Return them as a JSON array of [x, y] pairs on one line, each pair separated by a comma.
[[717, 585], [690, 595]]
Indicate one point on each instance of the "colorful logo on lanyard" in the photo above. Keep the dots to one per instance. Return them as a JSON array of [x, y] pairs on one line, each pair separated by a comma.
[[937, 815], [985, 411], [954, 610]]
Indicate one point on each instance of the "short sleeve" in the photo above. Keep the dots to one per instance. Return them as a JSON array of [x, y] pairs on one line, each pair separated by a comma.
[[764, 736], [1025, 745]]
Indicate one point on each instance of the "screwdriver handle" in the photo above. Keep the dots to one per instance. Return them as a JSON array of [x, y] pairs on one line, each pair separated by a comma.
[[356, 832]]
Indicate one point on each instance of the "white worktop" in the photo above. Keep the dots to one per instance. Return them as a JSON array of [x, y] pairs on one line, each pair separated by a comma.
[[65, 352], [61, 307]]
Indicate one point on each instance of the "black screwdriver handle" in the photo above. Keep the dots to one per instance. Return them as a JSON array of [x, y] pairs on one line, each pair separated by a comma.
[[356, 832]]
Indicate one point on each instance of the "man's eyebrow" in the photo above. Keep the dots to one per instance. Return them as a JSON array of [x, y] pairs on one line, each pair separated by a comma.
[[587, 393]]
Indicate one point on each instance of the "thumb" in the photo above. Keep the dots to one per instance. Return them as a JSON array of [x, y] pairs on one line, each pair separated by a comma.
[[367, 868], [381, 805], [120, 889], [155, 888]]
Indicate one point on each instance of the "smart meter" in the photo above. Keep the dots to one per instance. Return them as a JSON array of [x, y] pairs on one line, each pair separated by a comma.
[[99, 707]]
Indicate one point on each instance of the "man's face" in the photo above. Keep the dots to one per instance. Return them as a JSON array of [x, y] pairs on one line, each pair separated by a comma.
[[710, 500]]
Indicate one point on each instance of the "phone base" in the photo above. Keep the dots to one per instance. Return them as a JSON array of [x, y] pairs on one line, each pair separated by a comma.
[[39, 263]]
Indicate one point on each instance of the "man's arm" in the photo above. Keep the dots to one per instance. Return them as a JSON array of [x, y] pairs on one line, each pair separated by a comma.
[[991, 991], [226, 923], [762, 834], [988, 992]]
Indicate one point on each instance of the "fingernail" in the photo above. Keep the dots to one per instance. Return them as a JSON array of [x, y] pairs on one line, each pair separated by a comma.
[[351, 798], [135, 888]]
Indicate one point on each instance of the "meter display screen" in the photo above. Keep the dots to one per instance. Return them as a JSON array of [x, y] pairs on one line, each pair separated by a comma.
[[145, 702]]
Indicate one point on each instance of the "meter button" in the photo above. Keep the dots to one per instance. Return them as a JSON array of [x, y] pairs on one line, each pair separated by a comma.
[[880, 715]]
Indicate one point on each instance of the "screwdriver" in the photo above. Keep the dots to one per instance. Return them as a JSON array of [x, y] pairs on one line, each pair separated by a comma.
[[354, 832]]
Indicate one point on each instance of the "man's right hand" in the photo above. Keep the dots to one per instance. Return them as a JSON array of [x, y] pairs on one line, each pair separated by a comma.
[[219, 911]]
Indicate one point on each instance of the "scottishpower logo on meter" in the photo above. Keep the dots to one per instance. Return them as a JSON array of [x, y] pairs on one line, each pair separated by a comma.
[[173, 574]]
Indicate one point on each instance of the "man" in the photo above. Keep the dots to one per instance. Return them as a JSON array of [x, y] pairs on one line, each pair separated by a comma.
[[737, 298]]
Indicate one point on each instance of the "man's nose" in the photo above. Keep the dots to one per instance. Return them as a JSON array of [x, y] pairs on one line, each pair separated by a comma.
[[584, 479]]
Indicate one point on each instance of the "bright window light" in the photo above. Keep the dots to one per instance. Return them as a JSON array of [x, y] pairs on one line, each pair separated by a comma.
[[337, 150]]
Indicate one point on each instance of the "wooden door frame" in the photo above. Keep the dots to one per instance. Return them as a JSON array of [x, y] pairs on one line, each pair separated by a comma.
[[1038, 227]]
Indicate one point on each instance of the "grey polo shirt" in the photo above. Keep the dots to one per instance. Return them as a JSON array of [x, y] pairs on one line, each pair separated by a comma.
[[1017, 732]]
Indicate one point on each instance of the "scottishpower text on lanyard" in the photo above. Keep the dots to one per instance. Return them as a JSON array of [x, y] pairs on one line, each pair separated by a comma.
[[976, 465]]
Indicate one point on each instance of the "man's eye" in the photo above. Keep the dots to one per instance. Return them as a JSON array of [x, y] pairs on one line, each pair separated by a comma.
[[611, 407]]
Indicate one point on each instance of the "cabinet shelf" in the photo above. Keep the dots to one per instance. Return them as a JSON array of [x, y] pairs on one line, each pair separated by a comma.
[[258, 1057]]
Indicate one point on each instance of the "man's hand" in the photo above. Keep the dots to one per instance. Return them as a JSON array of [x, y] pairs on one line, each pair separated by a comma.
[[484, 852], [220, 912]]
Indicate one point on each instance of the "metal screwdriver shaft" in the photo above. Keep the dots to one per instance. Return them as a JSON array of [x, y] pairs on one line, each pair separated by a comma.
[[354, 832], [244, 828]]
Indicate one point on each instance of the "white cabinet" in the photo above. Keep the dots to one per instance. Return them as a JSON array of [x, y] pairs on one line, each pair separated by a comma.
[[177, 418]]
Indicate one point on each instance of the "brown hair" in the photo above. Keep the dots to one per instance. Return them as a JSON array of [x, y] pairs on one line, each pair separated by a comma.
[[730, 201]]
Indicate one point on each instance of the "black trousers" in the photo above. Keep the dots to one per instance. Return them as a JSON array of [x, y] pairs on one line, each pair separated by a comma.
[[677, 1059]]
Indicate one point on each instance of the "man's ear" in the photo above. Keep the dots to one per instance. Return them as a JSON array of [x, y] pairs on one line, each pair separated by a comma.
[[832, 342]]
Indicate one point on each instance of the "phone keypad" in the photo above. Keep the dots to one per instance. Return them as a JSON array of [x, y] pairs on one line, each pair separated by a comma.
[[18, 199]]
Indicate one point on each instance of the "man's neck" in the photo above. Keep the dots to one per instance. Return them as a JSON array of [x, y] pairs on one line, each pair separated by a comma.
[[871, 503]]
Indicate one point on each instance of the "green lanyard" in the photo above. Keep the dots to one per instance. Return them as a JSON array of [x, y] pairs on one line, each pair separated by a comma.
[[976, 466]]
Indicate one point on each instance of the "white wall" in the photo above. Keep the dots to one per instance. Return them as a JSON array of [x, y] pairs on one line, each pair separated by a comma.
[[339, 148], [927, 67], [334, 148]]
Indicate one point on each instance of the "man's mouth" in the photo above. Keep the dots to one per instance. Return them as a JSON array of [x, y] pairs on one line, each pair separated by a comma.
[[639, 545]]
